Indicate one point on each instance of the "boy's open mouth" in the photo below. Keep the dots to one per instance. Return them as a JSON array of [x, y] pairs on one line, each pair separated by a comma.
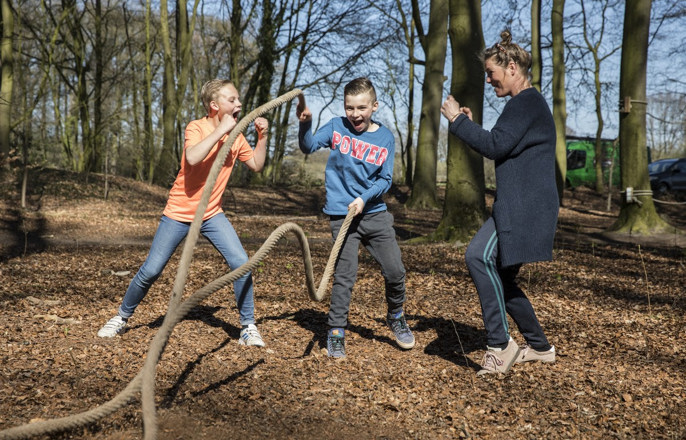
[[236, 113]]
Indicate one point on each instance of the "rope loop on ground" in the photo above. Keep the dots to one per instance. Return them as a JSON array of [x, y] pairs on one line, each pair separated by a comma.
[[177, 310]]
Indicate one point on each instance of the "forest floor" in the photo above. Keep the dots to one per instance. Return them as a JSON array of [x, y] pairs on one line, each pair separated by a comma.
[[614, 308]]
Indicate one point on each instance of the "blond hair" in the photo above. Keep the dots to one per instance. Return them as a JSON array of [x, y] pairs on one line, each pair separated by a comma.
[[505, 51], [210, 89]]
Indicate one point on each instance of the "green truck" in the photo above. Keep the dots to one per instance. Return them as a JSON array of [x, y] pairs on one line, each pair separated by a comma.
[[581, 160]]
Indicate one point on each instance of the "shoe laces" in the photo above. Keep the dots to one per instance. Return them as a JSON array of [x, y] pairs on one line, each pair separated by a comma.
[[252, 332], [115, 323], [491, 361], [399, 325], [336, 343]]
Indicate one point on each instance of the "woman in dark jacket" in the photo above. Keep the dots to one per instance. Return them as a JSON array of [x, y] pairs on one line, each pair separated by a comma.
[[524, 218]]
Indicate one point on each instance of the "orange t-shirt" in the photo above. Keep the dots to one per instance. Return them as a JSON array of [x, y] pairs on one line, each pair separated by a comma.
[[185, 194]]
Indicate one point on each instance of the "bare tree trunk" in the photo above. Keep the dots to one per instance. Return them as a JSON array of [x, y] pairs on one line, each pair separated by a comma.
[[638, 215], [424, 190], [593, 47], [259, 88], [464, 209], [141, 162], [176, 74], [6, 81], [409, 141], [281, 118], [559, 95], [89, 157], [148, 142], [536, 60], [98, 128]]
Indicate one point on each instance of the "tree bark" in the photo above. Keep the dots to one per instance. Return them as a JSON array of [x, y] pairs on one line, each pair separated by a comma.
[[464, 209], [536, 60], [98, 129], [6, 81], [89, 157], [559, 95], [424, 190], [635, 218]]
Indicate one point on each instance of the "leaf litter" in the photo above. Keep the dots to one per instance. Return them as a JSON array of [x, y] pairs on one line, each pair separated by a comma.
[[615, 314]]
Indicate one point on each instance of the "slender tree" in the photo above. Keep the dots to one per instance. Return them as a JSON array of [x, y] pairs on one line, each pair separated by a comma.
[[6, 80], [559, 94], [637, 214], [299, 30], [536, 60], [177, 66], [424, 189], [78, 48], [593, 46], [409, 35], [464, 209], [99, 67]]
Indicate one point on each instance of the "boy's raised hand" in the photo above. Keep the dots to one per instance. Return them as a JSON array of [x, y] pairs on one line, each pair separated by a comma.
[[262, 127], [302, 111]]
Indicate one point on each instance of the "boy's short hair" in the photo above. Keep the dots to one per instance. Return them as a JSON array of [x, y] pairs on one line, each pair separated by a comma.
[[209, 91], [359, 86]]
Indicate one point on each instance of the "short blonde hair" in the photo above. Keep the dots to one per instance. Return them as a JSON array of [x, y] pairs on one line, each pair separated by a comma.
[[210, 89]]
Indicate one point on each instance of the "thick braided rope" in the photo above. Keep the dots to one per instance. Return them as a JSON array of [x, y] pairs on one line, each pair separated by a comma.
[[127, 395], [176, 313], [148, 386]]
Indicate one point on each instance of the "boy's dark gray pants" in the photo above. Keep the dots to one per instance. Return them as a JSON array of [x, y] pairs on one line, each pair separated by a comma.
[[375, 231]]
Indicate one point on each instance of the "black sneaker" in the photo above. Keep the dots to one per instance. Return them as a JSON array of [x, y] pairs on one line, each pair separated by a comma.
[[335, 342], [403, 334]]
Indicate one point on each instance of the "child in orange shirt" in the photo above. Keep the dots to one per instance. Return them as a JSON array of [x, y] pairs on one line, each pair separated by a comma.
[[203, 140]]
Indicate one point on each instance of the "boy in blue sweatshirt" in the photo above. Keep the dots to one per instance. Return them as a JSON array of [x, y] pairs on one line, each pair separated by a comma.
[[358, 172]]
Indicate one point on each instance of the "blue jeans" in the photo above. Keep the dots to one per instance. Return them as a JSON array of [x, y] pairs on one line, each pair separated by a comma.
[[219, 231]]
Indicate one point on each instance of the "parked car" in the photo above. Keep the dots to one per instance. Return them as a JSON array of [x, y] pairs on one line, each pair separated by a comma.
[[659, 165], [668, 175]]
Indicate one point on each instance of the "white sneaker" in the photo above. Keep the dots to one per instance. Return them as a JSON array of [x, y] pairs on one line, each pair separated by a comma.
[[250, 336], [112, 328]]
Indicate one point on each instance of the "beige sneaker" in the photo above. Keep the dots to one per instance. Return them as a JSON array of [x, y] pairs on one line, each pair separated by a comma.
[[528, 354], [499, 360]]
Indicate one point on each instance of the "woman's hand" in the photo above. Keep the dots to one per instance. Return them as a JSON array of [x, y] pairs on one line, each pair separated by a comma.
[[451, 109]]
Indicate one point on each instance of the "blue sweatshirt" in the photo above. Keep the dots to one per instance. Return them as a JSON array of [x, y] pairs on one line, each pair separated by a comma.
[[360, 164]]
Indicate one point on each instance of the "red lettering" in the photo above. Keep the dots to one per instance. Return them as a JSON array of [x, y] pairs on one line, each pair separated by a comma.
[[373, 151], [383, 155], [335, 140], [359, 148], [345, 144]]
